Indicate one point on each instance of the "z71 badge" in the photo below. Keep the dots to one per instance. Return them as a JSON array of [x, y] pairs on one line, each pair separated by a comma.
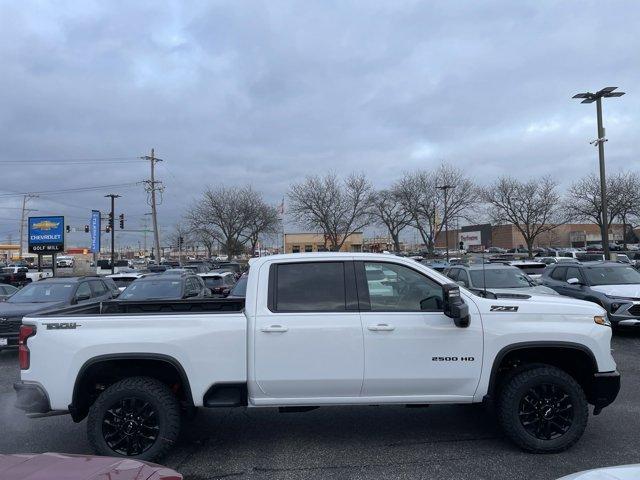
[[504, 308]]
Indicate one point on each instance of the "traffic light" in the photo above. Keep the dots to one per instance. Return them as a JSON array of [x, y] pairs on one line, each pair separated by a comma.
[[108, 229], [111, 219], [68, 228], [86, 229], [121, 221], [180, 242], [461, 245]]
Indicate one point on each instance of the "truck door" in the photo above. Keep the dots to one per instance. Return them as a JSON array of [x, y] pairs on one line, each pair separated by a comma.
[[411, 348], [308, 343]]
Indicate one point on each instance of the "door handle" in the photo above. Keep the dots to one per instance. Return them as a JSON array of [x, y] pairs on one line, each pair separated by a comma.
[[275, 329], [381, 327]]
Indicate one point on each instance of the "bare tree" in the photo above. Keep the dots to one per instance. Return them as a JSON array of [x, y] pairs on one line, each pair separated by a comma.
[[389, 212], [336, 208], [227, 213], [584, 203], [419, 195], [533, 206], [629, 202], [265, 220]]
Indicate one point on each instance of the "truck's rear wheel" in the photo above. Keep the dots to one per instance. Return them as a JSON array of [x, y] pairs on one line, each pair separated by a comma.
[[136, 417], [543, 410]]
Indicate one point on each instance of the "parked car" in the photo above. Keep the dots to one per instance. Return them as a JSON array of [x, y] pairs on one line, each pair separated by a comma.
[[6, 291], [63, 261], [234, 267], [312, 332], [166, 286], [196, 268], [498, 279], [80, 467], [16, 276], [495, 250], [532, 268], [220, 284], [612, 285], [124, 279], [46, 294]]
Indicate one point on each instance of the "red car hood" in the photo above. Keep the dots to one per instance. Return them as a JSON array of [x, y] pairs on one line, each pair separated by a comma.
[[57, 466]]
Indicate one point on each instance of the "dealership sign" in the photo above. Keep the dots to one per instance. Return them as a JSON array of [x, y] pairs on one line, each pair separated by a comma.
[[94, 227], [46, 235], [470, 238]]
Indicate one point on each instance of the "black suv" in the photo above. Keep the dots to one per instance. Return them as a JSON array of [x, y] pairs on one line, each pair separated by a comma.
[[173, 284], [44, 294], [615, 286]]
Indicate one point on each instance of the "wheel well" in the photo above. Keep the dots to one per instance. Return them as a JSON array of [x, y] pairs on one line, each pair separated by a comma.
[[575, 361], [98, 374]]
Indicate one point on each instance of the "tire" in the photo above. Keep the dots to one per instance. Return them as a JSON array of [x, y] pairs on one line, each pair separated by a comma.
[[543, 410], [137, 417]]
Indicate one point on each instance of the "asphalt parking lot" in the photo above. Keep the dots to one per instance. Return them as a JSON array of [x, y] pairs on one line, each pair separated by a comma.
[[441, 442]]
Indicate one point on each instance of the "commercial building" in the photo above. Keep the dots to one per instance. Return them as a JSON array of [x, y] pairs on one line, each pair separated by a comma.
[[316, 242], [480, 237]]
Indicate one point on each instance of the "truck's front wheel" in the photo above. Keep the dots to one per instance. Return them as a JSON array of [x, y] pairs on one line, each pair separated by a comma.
[[135, 417], [543, 410]]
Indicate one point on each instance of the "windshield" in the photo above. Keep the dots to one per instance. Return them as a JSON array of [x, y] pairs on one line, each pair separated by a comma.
[[123, 281], [499, 278], [240, 289], [153, 289], [43, 292], [613, 275]]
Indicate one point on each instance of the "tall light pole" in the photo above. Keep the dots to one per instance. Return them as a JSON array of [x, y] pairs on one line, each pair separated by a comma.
[[445, 189], [111, 224], [589, 97]]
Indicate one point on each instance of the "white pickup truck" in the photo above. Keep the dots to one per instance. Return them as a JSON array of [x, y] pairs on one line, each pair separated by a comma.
[[319, 330]]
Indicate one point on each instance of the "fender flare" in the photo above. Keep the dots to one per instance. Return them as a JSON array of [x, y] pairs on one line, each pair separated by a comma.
[[75, 414], [541, 344]]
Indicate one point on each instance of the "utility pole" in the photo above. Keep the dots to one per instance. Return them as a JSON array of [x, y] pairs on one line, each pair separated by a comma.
[[445, 189], [25, 198], [111, 225], [152, 186], [589, 97]]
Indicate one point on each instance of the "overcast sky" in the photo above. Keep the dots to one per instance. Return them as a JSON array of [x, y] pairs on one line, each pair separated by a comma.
[[267, 92]]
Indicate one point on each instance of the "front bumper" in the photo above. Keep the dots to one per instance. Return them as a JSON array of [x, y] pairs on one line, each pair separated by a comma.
[[32, 398], [604, 390]]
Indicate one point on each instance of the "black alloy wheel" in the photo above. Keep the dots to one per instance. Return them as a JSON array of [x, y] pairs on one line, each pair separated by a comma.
[[546, 411], [130, 426]]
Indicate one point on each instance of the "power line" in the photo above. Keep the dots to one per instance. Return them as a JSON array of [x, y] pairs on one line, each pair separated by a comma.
[[71, 161], [69, 190]]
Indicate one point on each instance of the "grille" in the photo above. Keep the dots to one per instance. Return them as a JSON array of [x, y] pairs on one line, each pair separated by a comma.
[[635, 310], [9, 327]]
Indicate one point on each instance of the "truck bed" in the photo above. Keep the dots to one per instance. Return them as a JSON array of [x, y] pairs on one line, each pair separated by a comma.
[[204, 338]]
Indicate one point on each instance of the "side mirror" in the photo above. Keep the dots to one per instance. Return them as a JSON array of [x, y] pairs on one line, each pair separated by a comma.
[[574, 281], [454, 306]]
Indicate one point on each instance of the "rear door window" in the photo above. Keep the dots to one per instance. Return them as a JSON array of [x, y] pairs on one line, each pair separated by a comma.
[[310, 287], [574, 272], [99, 288]]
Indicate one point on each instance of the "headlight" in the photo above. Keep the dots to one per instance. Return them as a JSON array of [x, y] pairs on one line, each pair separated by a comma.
[[600, 320]]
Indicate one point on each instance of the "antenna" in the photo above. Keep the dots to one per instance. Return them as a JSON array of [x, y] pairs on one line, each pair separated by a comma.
[[484, 277]]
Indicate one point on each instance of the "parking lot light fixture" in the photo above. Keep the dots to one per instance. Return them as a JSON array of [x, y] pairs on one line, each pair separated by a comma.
[[588, 97]]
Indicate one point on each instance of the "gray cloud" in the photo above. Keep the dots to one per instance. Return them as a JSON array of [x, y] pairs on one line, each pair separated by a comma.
[[266, 92]]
